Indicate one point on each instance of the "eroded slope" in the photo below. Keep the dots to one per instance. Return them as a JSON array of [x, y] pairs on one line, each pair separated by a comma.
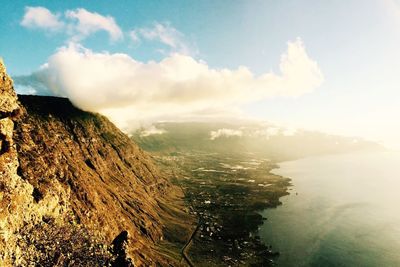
[[76, 191]]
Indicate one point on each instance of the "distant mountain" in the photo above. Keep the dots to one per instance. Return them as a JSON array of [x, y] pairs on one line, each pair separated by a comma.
[[266, 140]]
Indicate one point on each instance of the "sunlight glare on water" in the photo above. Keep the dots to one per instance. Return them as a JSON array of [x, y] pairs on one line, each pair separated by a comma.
[[345, 213]]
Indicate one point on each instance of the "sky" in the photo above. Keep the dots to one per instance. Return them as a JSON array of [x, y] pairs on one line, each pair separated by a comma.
[[331, 66]]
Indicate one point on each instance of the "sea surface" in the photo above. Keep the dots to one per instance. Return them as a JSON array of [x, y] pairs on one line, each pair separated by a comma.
[[343, 210]]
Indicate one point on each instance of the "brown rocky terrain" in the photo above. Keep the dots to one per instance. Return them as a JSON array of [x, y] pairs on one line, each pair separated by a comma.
[[76, 191]]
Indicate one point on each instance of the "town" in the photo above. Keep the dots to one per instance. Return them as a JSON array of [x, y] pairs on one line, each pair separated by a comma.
[[226, 193]]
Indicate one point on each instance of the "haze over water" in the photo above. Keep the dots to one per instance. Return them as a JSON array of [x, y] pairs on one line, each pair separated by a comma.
[[345, 213]]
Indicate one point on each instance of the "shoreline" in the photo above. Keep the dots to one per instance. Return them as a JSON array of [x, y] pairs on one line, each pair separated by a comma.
[[227, 197]]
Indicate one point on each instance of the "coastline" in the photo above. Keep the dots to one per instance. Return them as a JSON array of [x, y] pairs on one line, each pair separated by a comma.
[[227, 194], [200, 178]]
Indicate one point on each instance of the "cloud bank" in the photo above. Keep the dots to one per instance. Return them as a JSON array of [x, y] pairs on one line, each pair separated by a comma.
[[178, 86]]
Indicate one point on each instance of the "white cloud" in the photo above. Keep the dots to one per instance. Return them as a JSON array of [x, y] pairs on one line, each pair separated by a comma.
[[152, 130], [134, 37], [91, 22], [177, 87], [78, 23], [40, 17], [165, 34], [225, 133]]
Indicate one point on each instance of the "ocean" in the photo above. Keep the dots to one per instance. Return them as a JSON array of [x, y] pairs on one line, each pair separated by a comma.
[[343, 210]]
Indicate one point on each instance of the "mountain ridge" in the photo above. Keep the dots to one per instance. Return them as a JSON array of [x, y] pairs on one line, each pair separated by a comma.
[[86, 186], [265, 140]]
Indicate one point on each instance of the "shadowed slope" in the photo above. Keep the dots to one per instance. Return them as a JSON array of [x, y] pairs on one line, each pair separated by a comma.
[[113, 185]]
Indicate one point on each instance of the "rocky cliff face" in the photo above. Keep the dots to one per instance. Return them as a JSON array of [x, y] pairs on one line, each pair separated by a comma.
[[17, 207], [75, 190]]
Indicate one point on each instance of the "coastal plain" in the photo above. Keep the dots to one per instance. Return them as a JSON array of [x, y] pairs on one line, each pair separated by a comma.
[[226, 193]]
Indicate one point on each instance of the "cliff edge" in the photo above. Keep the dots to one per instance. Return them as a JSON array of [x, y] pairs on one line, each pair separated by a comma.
[[76, 191]]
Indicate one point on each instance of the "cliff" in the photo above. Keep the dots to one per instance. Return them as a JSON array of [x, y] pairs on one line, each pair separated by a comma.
[[76, 191]]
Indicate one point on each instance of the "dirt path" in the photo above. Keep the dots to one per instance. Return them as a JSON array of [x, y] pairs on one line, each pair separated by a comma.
[[187, 247]]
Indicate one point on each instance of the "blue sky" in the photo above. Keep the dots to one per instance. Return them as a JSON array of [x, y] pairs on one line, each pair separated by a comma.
[[355, 44]]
